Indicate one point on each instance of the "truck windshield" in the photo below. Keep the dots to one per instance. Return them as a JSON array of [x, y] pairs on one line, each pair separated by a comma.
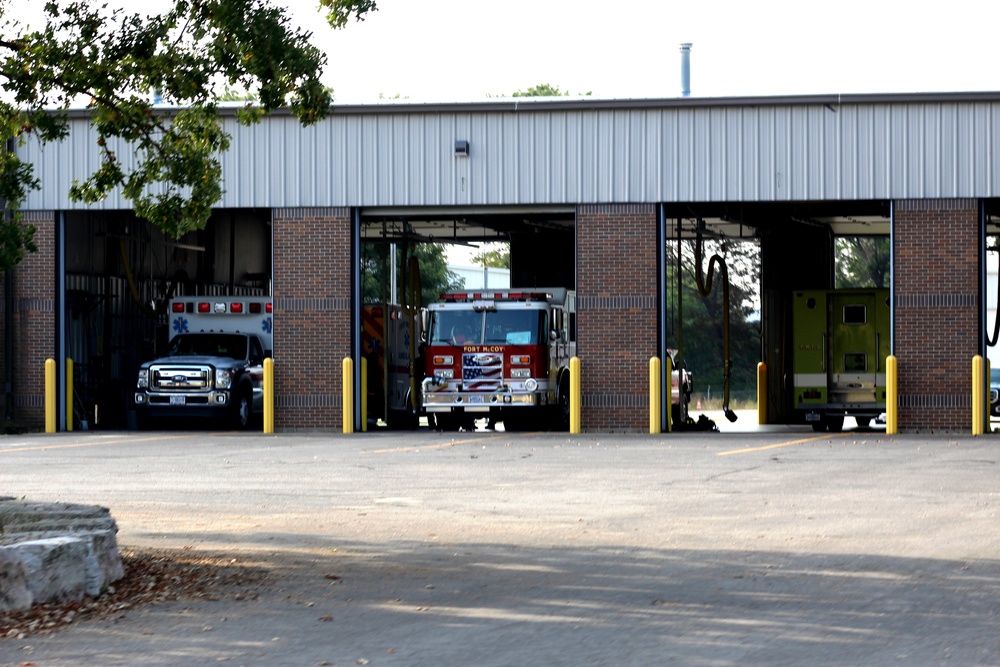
[[456, 327], [495, 327], [515, 327], [208, 345]]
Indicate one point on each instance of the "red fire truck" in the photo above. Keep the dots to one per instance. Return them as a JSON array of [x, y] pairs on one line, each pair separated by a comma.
[[502, 354]]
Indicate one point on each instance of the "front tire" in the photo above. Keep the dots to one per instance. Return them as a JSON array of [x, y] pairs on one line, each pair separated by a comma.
[[562, 407], [242, 408]]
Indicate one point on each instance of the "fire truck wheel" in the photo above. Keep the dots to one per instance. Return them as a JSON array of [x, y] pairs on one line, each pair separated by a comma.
[[448, 421], [520, 420], [241, 410], [819, 426], [562, 408], [836, 424]]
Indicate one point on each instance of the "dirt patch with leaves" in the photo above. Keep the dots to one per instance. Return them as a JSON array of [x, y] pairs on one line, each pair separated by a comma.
[[150, 577]]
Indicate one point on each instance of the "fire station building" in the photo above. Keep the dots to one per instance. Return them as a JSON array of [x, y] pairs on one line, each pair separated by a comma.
[[588, 192]]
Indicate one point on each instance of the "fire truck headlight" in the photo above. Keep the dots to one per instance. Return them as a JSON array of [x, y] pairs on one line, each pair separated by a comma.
[[520, 372], [443, 360], [520, 359], [445, 372], [531, 384], [223, 379]]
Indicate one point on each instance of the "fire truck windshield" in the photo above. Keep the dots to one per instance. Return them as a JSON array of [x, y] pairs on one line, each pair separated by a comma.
[[492, 327]]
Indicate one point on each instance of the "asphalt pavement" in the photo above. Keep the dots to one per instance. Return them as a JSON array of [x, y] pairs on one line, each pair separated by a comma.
[[749, 546]]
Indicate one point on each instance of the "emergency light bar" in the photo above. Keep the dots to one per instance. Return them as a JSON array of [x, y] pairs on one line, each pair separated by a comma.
[[456, 297], [220, 307]]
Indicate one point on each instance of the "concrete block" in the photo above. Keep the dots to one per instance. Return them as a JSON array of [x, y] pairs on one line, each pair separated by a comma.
[[56, 567], [14, 592]]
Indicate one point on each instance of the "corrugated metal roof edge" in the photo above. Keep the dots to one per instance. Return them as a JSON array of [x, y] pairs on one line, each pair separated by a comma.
[[529, 104]]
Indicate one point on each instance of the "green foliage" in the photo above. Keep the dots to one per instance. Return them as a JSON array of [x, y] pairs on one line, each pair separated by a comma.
[[113, 62], [497, 257], [435, 277], [231, 94], [862, 261], [543, 90], [340, 12]]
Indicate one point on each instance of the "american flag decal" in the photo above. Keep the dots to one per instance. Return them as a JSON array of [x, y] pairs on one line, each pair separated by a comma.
[[482, 372]]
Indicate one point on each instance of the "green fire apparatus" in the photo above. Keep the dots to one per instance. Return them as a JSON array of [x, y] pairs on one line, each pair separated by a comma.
[[840, 343]]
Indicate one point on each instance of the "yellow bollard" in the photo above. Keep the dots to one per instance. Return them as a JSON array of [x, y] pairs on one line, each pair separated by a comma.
[[892, 395], [364, 394], [347, 417], [761, 393], [69, 394], [574, 395], [269, 395], [50, 395], [654, 395], [670, 401], [977, 395]]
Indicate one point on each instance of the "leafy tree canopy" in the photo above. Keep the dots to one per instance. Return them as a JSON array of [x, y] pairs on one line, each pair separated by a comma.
[[435, 277], [862, 261], [495, 257], [543, 90], [113, 62]]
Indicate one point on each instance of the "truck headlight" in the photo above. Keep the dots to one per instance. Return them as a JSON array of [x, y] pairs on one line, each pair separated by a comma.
[[445, 372], [143, 381], [223, 378], [520, 372]]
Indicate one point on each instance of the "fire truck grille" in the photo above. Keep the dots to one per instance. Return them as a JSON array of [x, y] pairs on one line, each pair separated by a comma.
[[181, 378], [482, 371]]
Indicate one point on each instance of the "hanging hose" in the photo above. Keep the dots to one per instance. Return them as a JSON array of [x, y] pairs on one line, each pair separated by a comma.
[[411, 307], [705, 288]]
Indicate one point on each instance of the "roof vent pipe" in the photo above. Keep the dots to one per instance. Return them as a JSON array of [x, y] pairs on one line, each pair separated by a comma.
[[686, 69]]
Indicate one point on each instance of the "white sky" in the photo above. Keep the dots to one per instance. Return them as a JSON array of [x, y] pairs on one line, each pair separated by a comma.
[[463, 50], [459, 50]]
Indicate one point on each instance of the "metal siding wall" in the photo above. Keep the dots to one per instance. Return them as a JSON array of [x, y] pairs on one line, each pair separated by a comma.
[[621, 155]]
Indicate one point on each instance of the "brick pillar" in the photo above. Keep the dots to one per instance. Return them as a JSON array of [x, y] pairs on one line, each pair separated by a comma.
[[312, 316], [616, 299], [937, 246], [34, 326]]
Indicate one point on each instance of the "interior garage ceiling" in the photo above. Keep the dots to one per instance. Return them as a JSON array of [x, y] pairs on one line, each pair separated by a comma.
[[735, 220]]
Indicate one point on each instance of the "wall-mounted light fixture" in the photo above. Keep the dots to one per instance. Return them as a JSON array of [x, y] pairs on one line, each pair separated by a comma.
[[461, 148]]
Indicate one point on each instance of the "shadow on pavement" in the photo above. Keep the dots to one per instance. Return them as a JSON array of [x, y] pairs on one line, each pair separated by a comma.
[[416, 603]]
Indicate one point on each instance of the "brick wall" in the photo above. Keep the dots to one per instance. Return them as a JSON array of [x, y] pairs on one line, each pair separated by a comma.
[[936, 311], [312, 317], [616, 299], [34, 325]]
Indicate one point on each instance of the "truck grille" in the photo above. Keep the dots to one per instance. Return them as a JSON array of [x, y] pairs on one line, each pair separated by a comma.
[[181, 378], [482, 371]]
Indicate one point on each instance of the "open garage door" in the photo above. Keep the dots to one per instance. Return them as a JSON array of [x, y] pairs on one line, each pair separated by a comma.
[[797, 247], [120, 275], [404, 271]]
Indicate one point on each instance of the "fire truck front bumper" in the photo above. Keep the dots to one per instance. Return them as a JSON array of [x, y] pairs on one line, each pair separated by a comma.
[[440, 395], [444, 401]]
